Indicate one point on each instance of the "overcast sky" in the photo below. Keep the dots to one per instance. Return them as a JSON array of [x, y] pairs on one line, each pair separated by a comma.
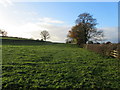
[[28, 19]]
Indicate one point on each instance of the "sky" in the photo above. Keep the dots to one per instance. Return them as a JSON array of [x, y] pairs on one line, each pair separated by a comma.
[[28, 19]]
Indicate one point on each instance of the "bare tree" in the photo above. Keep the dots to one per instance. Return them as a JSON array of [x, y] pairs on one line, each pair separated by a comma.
[[45, 35], [99, 36], [4, 33]]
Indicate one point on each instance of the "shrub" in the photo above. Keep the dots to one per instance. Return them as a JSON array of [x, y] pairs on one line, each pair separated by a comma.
[[104, 49]]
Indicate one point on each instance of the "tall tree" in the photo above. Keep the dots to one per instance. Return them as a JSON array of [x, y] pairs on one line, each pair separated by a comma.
[[45, 35], [84, 29], [77, 33]]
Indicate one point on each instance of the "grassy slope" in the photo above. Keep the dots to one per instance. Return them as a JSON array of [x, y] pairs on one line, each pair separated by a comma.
[[57, 65], [22, 41]]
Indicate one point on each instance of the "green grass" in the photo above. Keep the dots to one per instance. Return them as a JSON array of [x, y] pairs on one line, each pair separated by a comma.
[[30, 67], [22, 41]]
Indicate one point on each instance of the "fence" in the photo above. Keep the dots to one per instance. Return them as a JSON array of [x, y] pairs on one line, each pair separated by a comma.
[[114, 53], [112, 50]]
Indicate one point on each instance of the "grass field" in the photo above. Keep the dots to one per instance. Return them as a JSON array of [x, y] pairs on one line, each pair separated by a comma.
[[35, 65]]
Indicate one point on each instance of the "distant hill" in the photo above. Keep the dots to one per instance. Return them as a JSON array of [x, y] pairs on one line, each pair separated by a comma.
[[22, 41]]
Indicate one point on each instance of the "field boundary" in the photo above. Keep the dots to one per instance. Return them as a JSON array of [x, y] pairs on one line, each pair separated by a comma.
[[112, 50]]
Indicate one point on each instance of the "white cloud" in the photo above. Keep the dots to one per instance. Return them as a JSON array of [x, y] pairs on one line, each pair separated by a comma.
[[5, 3], [29, 25], [31, 29], [57, 33], [111, 33], [50, 20]]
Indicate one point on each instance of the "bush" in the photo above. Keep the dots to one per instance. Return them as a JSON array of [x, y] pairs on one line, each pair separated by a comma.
[[108, 42], [104, 49], [90, 42]]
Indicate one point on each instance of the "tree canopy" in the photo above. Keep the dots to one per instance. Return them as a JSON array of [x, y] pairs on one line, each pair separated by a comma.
[[85, 29]]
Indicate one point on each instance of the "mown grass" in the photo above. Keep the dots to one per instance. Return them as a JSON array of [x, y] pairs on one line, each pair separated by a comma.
[[30, 67]]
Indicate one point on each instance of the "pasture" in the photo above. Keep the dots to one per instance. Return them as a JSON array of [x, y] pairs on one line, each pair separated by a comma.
[[33, 65]]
